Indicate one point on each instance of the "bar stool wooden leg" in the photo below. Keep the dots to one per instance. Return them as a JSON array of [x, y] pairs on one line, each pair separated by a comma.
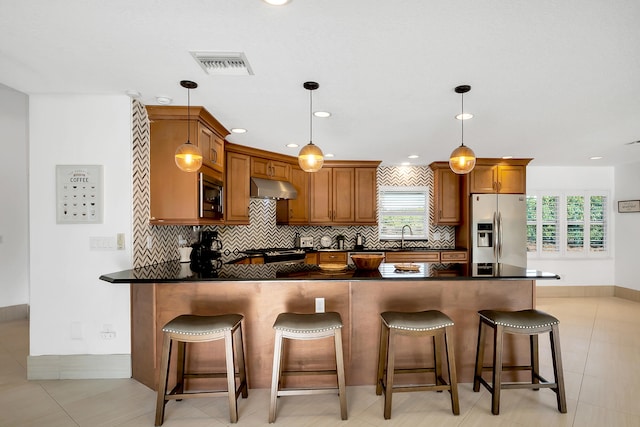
[[557, 368], [382, 356], [453, 376], [231, 376], [438, 343], [241, 363], [164, 377], [497, 370], [535, 360], [275, 375], [479, 357], [388, 392], [340, 373]]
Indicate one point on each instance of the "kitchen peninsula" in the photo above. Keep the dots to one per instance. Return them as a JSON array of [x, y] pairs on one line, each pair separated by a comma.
[[163, 291]]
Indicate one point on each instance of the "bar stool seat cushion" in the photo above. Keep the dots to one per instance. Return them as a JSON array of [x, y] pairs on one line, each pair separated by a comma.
[[416, 321], [308, 323], [523, 319], [189, 324]]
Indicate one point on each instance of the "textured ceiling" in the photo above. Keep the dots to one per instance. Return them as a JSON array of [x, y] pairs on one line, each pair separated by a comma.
[[558, 81]]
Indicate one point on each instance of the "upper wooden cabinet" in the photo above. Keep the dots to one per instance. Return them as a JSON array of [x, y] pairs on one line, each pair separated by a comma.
[[270, 169], [344, 193], [174, 194], [237, 187], [295, 211], [499, 176], [446, 195]]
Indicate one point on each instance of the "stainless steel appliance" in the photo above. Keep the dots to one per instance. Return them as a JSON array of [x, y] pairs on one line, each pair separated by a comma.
[[499, 229], [210, 192], [350, 261], [278, 255]]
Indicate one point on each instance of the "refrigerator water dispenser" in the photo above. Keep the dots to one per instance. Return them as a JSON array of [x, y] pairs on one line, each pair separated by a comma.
[[485, 235]]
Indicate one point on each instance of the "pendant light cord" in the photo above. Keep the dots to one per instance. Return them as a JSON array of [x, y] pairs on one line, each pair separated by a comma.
[[188, 116], [310, 117], [462, 119]]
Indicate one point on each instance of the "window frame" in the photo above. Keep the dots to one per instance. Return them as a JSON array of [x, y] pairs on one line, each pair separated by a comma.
[[563, 222], [404, 189]]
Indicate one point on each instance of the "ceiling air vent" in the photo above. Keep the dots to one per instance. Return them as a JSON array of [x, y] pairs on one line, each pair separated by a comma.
[[223, 63]]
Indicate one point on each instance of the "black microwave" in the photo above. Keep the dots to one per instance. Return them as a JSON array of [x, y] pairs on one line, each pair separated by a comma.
[[211, 202]]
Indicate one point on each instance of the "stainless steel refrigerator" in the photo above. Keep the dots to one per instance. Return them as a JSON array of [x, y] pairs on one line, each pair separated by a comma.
[[499, 228]]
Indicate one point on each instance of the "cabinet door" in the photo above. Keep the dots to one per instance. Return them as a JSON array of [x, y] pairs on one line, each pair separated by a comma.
[[512, 179], [299, 207], [483, 179], [332, 257], [237, 187], [212, 147], [366, 189], [446, 197], [260, 167], [320, 196], [280, 171], [343, 195]]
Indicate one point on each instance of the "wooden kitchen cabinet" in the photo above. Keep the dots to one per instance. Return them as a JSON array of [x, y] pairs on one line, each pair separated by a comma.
[[270, 169], [212, 146], [446, 195], [412, 256], [174, 194], [295, 211], [332, 257], [237, 188], [499, 176], [447, 257], [344, 193]]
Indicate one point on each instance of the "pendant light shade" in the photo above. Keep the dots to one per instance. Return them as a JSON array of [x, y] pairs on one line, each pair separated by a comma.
[[462, 159], [310, 157], [188, 157]]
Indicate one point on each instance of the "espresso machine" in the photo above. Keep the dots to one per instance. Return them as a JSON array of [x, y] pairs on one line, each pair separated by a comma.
[[205, 256]]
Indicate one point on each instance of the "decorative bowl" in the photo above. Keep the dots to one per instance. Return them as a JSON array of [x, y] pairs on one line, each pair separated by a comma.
[[366, 261]]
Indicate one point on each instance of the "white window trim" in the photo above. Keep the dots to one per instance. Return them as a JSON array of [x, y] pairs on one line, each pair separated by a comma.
[[562, 253]]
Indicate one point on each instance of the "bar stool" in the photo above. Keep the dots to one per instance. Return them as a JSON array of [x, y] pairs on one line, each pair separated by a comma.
[[524, 322], [197, 329], [313, 326], [430, 323]]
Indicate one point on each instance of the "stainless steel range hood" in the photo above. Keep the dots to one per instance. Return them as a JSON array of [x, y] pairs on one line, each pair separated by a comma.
[[268, 189]]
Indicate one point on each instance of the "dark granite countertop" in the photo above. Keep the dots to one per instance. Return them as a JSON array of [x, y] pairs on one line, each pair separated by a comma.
[[174, 271]]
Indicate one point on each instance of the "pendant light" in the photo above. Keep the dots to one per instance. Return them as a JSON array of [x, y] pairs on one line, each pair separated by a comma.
[[462, 159], [188, 156], [310, 157]]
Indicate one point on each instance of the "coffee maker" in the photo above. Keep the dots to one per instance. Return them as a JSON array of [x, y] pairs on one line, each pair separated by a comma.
[[205, 256], [359, 242]]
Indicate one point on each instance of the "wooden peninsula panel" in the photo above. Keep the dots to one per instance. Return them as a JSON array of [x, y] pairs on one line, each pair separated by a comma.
[[358, 302]]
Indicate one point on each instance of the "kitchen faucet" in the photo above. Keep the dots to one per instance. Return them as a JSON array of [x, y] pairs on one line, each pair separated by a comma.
[[410, 231]]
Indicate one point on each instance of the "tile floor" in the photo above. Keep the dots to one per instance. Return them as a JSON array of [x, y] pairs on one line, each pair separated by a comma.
[[600, 346]]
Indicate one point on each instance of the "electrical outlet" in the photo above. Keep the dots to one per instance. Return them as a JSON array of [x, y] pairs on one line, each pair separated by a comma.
[[149, 242], [108, 335], [319, 305], [120, 241]]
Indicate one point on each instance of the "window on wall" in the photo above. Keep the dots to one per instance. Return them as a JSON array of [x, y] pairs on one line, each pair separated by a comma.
[[571, 224], [400, 206]]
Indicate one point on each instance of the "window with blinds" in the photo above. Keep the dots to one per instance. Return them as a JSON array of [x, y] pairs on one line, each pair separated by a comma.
[[572, 224], [400, 206]]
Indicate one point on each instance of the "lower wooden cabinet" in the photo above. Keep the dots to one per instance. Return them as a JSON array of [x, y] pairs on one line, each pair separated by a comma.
[[453, 257], [412, 256], [332, 257]]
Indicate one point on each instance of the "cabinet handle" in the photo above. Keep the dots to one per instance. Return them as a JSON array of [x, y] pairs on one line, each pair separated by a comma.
[[290, 213]]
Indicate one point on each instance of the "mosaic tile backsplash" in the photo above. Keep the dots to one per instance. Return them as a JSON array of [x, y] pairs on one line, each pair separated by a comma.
[[262, 231]]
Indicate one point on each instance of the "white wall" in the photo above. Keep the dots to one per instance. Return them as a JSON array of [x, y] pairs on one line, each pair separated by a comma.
[[627, 227], [65, 290], [14, 190], [579, 272]]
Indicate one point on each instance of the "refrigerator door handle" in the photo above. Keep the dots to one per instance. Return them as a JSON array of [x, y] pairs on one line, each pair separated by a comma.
[[499, 235], [496, 236]]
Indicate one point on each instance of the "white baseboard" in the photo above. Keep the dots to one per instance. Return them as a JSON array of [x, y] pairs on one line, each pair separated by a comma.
[[79, 366], [587, 291]]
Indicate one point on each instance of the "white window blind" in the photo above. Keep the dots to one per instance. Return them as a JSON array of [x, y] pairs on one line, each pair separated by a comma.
[[400, 206]]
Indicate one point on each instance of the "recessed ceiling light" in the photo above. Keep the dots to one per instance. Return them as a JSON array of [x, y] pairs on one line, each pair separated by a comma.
[[464, 116], [322, 114], [328, 155], [413, 156], [276, 2], [163, 100], [595, 157], [293, 145], [238, 130], [405, 164], [507, 157], [133, 93]]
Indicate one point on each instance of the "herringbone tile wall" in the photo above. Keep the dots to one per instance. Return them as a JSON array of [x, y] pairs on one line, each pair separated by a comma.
[[262, 231]]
